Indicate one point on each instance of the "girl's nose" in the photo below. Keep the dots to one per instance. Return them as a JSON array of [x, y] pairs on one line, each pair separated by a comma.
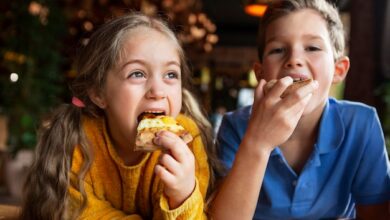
[[294, 59], [156, 91]]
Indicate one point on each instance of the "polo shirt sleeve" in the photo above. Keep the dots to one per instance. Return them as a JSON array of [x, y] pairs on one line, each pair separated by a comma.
[[228, 140], [372, 182]]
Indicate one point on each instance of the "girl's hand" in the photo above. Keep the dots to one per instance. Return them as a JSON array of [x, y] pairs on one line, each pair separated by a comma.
[[176, 168], [274, 119]]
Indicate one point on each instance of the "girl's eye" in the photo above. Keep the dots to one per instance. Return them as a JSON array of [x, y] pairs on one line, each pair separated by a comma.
[[276, 51], [136, 74], [172, 75]]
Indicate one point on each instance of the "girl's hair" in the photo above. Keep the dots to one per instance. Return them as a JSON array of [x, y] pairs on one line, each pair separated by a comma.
[[328, 12], [45, 192]]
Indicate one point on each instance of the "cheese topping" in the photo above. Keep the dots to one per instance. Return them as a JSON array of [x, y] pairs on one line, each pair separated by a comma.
[[160, 122]]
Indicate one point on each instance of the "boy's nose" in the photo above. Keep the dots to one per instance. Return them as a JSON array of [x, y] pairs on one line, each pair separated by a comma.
[[293, 60]]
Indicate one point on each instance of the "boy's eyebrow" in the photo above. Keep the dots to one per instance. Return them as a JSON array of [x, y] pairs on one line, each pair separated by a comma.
[[308, 36]]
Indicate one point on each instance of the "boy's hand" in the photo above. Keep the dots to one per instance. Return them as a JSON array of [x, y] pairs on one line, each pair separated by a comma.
[[274, 119], [176, 168]]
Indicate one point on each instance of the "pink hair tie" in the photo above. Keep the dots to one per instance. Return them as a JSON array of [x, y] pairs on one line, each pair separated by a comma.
[[77, 102]]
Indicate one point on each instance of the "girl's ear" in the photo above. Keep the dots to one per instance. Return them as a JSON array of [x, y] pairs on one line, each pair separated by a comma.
[[341, 69], [97, 98], [257, 67]]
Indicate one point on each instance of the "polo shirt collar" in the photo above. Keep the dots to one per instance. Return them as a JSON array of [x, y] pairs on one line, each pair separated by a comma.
[[332, 128]]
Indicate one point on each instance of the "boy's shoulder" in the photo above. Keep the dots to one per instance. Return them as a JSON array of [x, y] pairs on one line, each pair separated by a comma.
[[242, 113], [349, 114], [351, 107]]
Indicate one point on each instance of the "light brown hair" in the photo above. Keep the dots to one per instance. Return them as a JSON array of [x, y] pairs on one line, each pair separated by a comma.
[[45, 194], [329, 13]]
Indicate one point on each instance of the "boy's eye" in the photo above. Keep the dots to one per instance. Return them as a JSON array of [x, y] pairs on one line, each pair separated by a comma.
[[276, 51], [172, 75], [313, 48], [136, 74]]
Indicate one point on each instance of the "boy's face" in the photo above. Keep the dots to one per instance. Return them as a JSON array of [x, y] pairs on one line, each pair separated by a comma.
[[147, 78], [298, 45]]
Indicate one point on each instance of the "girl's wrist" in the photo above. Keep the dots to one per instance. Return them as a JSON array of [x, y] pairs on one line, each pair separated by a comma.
[[176, 201]]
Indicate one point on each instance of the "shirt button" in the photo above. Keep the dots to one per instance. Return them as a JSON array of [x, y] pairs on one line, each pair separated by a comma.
[[294, 183]]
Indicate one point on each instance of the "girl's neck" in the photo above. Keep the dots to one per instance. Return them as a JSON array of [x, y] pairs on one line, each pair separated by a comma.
[[124, 148]]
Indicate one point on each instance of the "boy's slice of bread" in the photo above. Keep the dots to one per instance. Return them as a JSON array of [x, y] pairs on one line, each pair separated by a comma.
[[298, 83], [151, 124]]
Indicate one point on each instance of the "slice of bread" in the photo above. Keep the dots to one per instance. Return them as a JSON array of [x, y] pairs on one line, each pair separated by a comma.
[[151, 124], [296, 84]]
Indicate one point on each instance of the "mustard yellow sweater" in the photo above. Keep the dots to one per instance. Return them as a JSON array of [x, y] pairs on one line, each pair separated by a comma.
[[117, 191]]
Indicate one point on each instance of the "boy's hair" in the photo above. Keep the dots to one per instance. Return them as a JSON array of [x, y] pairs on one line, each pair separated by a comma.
[[329, 13], [45, 193]]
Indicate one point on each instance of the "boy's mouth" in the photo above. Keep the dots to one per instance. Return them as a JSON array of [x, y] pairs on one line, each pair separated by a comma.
[[149, 114]]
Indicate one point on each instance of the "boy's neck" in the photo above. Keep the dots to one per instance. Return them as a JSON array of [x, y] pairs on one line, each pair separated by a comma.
[[298, 148]]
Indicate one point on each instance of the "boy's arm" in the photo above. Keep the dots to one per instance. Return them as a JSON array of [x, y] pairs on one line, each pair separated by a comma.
[[271, 122], [372, 183]]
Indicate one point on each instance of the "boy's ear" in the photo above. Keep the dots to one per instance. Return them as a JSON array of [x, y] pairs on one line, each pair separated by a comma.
[[257, 67], [341, 69], [97, 98]]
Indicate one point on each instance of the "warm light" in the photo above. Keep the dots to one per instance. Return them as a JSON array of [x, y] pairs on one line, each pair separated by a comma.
[[14, 77], [256, 9], [88, 26]]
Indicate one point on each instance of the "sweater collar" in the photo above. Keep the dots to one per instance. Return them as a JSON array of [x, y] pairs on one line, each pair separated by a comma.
[[332, 128]]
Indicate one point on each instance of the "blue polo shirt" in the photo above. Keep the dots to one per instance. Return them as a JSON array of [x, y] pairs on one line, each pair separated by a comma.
[[349, 165]]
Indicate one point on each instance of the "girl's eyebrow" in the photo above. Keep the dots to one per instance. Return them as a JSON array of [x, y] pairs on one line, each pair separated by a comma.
[[173, 63], [142, 62]]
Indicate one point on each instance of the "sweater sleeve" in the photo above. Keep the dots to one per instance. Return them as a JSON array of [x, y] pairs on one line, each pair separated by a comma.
[[95, 208], [194, 206]]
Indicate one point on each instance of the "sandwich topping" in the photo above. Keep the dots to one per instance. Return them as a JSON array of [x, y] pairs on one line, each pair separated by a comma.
[[152, 122], [160, 122]]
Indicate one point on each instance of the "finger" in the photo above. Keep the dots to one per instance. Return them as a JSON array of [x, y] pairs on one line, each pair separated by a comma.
[[169, 163], [259, 91], [280, 86], [164, 175], [174, 144], [295, 97]]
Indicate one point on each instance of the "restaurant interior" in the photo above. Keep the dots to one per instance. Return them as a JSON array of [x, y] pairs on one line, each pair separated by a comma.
[[39, 40]]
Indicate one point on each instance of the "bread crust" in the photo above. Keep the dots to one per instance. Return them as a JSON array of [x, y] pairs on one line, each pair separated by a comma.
[[296, 84]]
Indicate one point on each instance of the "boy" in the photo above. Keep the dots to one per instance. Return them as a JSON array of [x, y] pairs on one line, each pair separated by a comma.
[[303, 156]]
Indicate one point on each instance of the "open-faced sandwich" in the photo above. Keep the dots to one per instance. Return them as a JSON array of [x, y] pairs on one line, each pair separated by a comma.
[[150, 124], [297, 83]]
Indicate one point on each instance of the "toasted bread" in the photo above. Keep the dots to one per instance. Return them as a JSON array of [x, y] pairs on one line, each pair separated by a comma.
[[151, 124], [298, 83]]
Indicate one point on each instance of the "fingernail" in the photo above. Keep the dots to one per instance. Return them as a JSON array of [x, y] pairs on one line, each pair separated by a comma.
[[156, 140]]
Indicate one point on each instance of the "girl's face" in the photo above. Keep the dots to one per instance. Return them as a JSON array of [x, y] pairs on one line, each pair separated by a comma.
[[298, 45], [147, 78]]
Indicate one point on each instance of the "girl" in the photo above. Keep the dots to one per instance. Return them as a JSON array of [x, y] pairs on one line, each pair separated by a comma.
[[85, 165]]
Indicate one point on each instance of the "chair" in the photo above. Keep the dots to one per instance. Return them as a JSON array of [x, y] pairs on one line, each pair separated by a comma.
[[9, 212]]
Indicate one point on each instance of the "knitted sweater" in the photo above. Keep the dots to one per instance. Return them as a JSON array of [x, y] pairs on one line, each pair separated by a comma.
[[117, 191]]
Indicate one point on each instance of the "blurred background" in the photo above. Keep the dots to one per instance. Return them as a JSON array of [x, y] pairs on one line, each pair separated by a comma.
[[39, 40]]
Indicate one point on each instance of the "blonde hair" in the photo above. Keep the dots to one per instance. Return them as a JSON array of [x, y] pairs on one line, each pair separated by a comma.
[[328, 12], [45, 193]]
